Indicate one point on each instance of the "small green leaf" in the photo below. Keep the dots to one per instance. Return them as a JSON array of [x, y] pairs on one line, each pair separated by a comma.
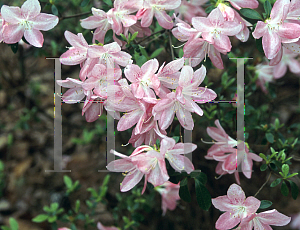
[[181, 53], [141, 60], [68, 181], [203, 196], [5, 228], [263, 156], [84, 3], [156, 53], [77, 206], [270, 137], [134, 36], [284, 189], [263, 167], [276, 182], [176, 138], [250, 13], [54, 206], [285, 169], [124, 38], [295, 142], [291, 175], [52, 219], [13, 224], [184, 192], [54, 10], [73, 226], [106, 180], [202, 178], [294, 189], [40, 218], [265, 204], [277, 123], [108, 2], [268, 8]]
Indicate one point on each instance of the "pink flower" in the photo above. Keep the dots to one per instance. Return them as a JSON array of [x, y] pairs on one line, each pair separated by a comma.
[[27, 21], [295, 224], [294, 10], [224, 143], [216, 30], [287, 60], [119, 16], [169, 195], [182, 102], [101, 227], [263, 220], [143, 78], [144, 160], [157, 8], [75, 94], [64, 229], [189, 9], [175, 154], [98, 20], [275, 31], [1, 28], [265, 74], [236, 207]]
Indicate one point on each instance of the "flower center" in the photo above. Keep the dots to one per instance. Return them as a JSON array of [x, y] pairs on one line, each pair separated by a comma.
[[26, 24]]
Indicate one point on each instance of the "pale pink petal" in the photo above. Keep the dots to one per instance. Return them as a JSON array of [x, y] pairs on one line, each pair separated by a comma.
[[260, 30], [223, 203], [94, 112], [294, 66], [276, 60], [186, 76], [73, 56], [147, 17], [129, 119], [44, 22], [227, 221], [222, 43], [12, 33], [252, 4], [289, 30], [31, 8], [202, 24], [120, 165], [34, 37], [185, 118], [235, 193], [273, 217], [271, 44], [215, 57], [131, 180], [280, 10], [164, 20], [11, 14], [252, 204], [128, 20], [230, 28]]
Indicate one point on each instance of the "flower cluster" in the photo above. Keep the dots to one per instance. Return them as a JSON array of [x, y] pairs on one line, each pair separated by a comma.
[[230, 158], [242, 211]]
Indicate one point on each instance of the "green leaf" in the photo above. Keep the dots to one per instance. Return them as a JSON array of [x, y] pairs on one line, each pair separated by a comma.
[[263, 167], [202, 195], [259, 46], [73, 226], [184, 192], [144, 52], [263, 156], [265, 204], [291, 175], [106, 180], [124, 38], [202, 178], [54, 10], [156, 53], [181, 53], [108, 2], [285, 169], [68, 181], [268, 8], [176, 138], [77, 206], [284, 189], [13, 224], [250, 13], [209, 9], [84, 3], [277, 123], [54, 206], [270, 137], [52, 219], [108, 36], [276, 182], [134, 36], [5, 228], [273, 152], [40, 218], [141, 60], [294, 189]]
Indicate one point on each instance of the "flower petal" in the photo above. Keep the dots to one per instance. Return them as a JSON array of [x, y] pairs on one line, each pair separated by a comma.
[[44, 22], [34, 37], [11, 14], [31, 8]]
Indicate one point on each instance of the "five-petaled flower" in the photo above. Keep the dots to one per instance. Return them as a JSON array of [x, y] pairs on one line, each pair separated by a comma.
[[27, 21]]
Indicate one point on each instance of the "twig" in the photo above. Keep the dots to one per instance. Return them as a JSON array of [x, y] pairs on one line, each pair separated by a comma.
[[171, 46], [74, 16], [263, 185], [151, 36]]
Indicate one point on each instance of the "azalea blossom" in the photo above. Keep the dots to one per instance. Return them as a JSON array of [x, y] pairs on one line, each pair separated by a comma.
[[236, 207], [144, 160], [157, 8], [169, 195], [264, 74], [75, 94], [288, 59], [98, 21], [120, 17], [182, 101], [263, 220], [238, 4], [27, 21], [275, 30]]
